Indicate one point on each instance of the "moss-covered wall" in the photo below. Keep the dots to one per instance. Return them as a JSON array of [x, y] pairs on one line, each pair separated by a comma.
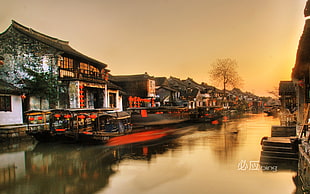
[[25, 60]]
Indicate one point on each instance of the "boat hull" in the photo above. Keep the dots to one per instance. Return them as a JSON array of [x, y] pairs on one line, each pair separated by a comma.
[[141, 117]]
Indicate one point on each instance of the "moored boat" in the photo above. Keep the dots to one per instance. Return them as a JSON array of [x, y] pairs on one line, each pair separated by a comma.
[[38, 125], [163, 115], [77, 125], [105, 126], [206, 114], [272, 110]]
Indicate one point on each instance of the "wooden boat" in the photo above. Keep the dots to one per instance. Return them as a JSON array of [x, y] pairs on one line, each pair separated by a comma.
[[206, 114], [77, 125], [272, 110], [38, 125], [105, 125], [163, 115]]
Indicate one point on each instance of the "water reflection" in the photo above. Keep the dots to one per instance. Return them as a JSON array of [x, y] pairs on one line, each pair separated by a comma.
[[65, 168], [199, 158]]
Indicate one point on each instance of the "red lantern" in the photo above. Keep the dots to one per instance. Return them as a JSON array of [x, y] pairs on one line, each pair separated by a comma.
[[81, 86], [82, 105], [301, 83], [31, 119], [130, 99], [93, 117], [23, 96], [106, 77], [67, 116], [40, 118], [57, 116], [81, 116], [143, 113], [81, 96], [81, 91], [82, 100]]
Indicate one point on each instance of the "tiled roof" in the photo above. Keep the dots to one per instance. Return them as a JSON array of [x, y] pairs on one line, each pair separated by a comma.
[[161, 81], [6, 88], [124, 78], [58, 44]]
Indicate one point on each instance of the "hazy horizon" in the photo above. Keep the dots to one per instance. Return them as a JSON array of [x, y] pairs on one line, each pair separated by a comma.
[[176, 38]]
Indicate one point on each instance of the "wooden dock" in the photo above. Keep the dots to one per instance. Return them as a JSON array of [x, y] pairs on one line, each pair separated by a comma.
[[279, 149], [283, 131], [12, 132]]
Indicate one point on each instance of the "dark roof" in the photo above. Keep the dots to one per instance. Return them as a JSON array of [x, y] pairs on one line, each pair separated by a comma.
[[307, 9], [301, 68], [58, 44], [191, 83], [125, 78], [286, 88], [161, 81], [7, 88], [176, 83], [166, 88], [191, 93], [114, 86]]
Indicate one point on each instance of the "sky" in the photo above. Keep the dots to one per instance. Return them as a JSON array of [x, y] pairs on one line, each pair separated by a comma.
[[178, 38]]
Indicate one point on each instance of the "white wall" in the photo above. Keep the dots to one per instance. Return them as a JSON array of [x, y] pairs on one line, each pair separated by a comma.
[[119, 101], [16, 115]]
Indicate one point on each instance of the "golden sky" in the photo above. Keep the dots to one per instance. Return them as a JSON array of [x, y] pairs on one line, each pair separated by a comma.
[[179, 38]]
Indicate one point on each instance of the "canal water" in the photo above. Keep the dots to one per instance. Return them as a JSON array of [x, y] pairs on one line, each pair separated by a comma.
[[195, 158]]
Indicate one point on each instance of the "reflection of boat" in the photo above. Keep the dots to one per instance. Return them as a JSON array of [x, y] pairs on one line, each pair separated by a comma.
[[139, 137], [164, 115], [206, 114], [152, 135], [71, 168], [78, 125]]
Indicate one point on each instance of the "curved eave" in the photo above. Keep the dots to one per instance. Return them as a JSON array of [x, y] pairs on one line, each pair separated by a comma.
[[61, 45]]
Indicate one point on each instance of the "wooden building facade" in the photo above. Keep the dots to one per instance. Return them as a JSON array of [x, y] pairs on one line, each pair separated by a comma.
[[73, 80], [287, 95], [140, 86]]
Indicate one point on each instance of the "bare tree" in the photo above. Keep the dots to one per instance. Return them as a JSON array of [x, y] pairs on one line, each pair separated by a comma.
[[274, 92], [223, 73]]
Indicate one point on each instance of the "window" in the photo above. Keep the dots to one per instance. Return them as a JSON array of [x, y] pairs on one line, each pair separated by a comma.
[[112, 100], [151, 88], [66, 63], [5, 103], [88, 70], [66, 67]]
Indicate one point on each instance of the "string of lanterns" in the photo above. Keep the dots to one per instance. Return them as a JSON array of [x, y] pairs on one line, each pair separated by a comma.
[[82, 100]]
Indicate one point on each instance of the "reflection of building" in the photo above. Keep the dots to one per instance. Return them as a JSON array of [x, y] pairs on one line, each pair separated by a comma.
[[67, 169], [12, 168], [58, 168], [80, 81]]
